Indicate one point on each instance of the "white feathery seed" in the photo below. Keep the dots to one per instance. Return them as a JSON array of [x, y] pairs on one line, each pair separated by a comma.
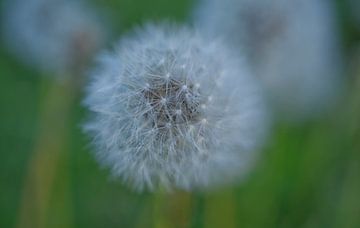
[[171, 109], [292, 47], [52, 35]]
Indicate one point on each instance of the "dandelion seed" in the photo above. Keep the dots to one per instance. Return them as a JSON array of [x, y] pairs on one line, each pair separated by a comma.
[[159, 135]]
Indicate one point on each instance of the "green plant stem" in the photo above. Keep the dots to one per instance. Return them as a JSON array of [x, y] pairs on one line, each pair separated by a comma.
[[49, 150]]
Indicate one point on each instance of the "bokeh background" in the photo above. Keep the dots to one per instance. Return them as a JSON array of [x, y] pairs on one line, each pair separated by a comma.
[[308, 175]]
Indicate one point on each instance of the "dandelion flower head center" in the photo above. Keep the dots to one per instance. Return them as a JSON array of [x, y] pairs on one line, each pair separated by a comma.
[[171, 102]]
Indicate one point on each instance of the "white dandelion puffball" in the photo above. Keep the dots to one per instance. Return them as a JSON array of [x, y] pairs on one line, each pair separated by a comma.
[[173, 110], [292, 47], [52, 35]]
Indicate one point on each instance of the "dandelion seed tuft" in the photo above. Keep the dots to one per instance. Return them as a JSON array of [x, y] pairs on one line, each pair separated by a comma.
[[51, 35], [291, 46], [148, 124]]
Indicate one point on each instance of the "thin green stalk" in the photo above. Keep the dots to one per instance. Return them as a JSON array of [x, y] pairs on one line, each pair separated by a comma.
[[50, 148]]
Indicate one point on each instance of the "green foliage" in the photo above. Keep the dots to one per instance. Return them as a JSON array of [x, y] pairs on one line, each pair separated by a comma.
[[309, 175]]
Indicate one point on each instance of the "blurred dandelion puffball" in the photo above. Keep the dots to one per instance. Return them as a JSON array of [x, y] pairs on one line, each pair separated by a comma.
[[173, 110], [292, 47], [53, 35]]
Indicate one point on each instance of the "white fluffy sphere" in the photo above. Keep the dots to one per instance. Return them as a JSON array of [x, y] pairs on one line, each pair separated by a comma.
[[53, 35], [172, 109], [292, 47]]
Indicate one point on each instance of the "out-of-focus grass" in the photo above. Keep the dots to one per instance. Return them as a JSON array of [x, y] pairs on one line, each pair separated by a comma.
[[308, 176], [19, 96]]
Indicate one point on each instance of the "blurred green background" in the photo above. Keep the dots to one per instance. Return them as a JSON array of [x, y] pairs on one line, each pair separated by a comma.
[[308, 176]]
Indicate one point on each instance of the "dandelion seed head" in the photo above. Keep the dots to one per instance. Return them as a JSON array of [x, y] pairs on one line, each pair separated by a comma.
[[150, 124], [52, 35], [291, 46]]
